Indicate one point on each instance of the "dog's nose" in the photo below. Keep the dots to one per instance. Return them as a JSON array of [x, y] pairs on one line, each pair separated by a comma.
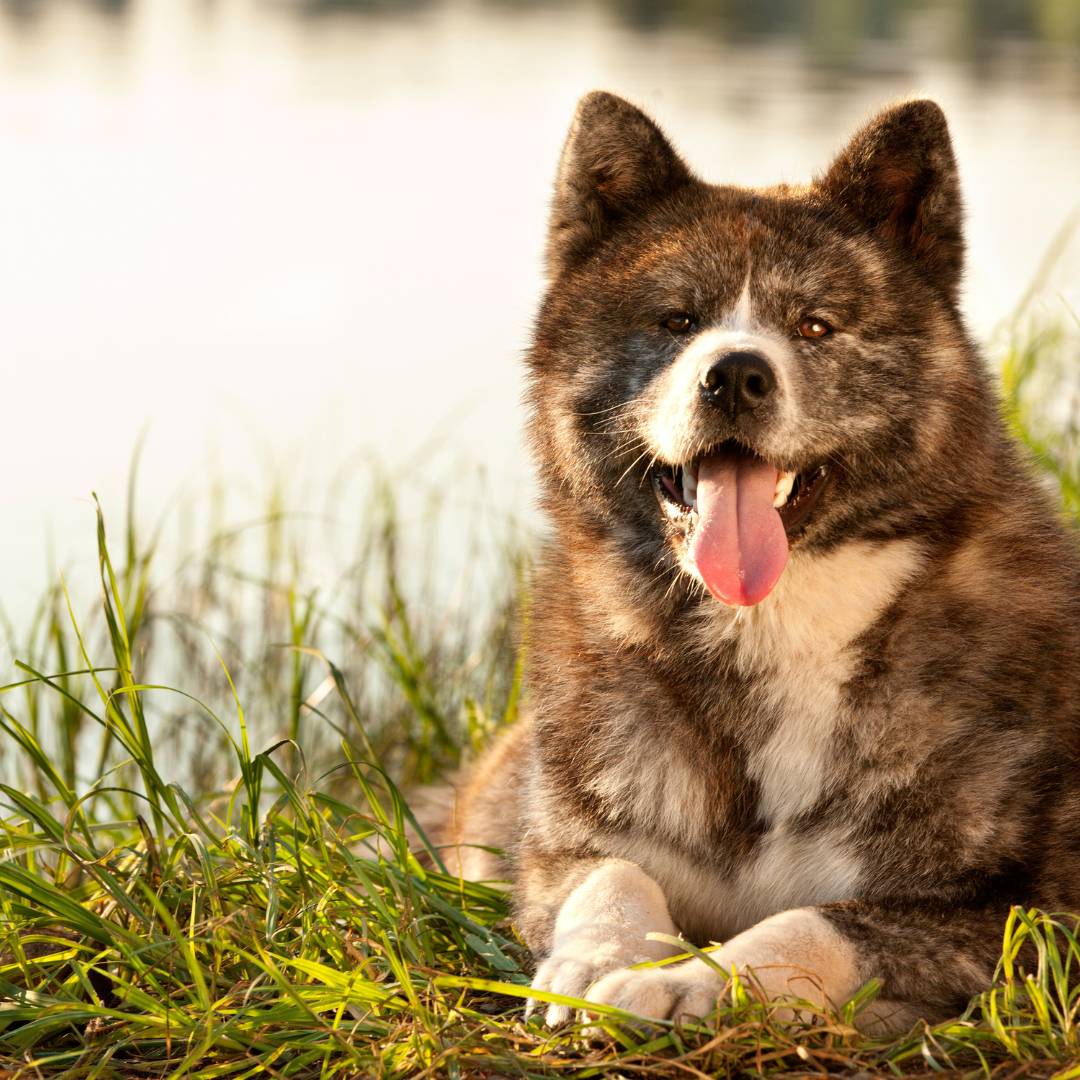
[[738, 383]]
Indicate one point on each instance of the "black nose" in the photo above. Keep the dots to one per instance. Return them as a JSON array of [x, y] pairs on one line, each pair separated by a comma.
[[738, 383]]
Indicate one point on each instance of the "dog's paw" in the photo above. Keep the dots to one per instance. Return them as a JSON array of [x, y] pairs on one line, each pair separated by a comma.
[[603, 926], [686, 991], [571, 974]]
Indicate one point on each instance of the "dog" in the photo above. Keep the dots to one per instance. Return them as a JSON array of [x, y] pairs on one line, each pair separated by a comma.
[[804, 674]]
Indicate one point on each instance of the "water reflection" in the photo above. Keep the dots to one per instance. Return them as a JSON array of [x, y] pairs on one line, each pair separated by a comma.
[[992, 40], [976, 22], [321, 222], [829, 31], [836, 34]]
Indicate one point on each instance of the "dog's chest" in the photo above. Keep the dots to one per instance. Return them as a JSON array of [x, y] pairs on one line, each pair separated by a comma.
[[725, 842], [685, 790], [751, 814], [794, 764]]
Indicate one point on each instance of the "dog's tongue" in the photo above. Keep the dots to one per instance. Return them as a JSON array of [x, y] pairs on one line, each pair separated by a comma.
[[740, 546]]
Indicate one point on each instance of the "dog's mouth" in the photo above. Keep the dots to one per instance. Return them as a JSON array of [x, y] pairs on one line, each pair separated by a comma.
[[740, 512]]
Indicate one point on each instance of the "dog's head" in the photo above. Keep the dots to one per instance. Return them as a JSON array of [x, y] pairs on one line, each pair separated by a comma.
[[720, 373]]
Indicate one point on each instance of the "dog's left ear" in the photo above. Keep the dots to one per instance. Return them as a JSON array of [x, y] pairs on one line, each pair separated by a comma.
[[898, 177]]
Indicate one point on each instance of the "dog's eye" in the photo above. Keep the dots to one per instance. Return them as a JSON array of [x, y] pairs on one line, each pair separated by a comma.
[[812, 327], [678, 322]]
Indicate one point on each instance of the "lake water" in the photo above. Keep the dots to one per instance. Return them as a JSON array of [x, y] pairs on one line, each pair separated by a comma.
[[279, 236]]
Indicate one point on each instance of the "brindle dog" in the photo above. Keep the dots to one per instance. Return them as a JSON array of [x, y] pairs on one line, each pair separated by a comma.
[[804, 671]]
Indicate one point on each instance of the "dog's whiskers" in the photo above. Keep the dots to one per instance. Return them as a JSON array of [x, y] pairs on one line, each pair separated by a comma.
[[648, 469], [612, 408], [627, 448], [629, 429], [629, 467], [676, 575]]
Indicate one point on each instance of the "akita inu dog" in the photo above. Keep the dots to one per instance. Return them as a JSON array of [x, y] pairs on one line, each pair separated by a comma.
[[805, 651]]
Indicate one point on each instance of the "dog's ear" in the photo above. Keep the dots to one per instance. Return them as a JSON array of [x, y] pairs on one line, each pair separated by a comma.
[[615, 161], [898, 177]]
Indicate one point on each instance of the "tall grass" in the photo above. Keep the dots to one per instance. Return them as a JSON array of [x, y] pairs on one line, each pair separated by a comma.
[[1040, 376], [203, 863]]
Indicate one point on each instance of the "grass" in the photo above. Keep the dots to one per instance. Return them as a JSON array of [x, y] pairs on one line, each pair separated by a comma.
[[203, 871]]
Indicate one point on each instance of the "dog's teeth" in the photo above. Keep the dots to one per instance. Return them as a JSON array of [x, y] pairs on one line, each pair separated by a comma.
[[689, 487], [784, 483]]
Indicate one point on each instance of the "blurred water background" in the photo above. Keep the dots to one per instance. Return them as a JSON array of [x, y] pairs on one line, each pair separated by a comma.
[[287, 240]]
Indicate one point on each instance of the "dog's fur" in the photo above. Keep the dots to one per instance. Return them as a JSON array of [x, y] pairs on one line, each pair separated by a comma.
[[856, 777]]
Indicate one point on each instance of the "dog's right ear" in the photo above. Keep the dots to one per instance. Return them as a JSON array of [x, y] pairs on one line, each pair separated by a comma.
[[615, 161]]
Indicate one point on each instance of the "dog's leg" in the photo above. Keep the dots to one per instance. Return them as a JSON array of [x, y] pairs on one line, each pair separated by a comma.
[[599, 927], [930, 964]]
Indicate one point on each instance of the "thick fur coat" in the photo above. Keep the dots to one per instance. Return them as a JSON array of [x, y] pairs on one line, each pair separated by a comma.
[[856, 775]]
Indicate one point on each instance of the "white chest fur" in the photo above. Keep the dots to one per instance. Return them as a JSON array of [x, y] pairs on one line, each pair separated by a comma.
[[797, 645]]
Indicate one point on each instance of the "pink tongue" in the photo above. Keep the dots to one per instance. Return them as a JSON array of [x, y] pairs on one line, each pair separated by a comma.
[[740, 546]]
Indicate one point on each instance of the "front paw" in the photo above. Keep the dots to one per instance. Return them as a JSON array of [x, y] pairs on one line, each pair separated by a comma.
[[687, 991], [571, 974]]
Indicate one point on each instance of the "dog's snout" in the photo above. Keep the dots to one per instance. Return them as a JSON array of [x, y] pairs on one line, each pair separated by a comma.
[[738, 383]]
